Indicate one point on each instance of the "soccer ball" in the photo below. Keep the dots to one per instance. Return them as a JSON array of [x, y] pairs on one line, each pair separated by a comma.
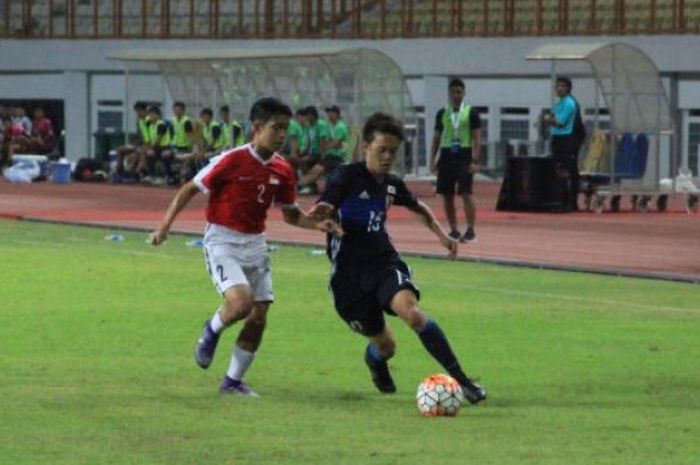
[[439, 396]]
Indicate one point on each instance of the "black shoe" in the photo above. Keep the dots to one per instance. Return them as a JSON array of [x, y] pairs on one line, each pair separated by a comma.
[[454, 234], [469, 236], [380, 374], [473, 392]]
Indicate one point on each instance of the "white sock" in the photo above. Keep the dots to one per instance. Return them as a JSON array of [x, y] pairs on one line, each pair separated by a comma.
[[215, 323], [240, 362]]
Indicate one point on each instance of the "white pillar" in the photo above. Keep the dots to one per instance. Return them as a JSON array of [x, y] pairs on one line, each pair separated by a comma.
[[436, 97], [77, 114]]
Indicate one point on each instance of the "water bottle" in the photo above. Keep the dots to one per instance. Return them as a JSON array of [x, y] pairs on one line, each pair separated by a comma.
[[195, 243], [115, 238]]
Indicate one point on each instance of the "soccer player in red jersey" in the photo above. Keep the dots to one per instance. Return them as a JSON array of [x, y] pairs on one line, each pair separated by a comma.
[[242, 184]]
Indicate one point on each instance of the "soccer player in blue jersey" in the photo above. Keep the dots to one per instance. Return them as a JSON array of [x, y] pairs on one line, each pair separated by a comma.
[[368, 277]]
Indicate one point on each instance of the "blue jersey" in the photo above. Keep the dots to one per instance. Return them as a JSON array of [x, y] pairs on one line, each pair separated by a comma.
[[565, 113], [362, 204]]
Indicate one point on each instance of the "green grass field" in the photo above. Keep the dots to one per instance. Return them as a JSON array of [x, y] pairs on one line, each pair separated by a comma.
[[96, 364]]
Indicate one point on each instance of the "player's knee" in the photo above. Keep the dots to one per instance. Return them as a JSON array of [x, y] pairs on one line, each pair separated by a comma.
[[387, 348], [239, 302]]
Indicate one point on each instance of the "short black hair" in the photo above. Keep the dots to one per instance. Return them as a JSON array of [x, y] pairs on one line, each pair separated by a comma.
[[140, 106], [154, 109], [206, 111], [384, 123], [180, 104], [300, 112], [311, 111], [267, 107], [225, 109], [456, 82], [566, 81]]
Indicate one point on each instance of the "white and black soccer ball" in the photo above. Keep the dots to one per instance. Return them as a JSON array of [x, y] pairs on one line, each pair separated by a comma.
[[439, 396]]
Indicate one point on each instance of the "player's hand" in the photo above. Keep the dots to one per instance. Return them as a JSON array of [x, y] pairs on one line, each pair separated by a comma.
[[158, 236], [473, 167], [330, 226], [451, 246], [321, 211]]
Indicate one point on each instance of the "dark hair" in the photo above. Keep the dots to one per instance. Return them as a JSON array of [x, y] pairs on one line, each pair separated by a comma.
[[266, 108], [225, 109], [311, 111], [140, 106], [566, 81], [456, 82], [300, 112], [384, 123], [154, 109], [179, 104], [206, 111]]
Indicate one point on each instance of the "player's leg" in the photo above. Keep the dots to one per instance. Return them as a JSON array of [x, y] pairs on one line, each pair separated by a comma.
[[246, 346], [464, 188], [361, 311], [313, 175], [446, 180], [250, 336], [231, 282], [403, 302], [380, 349]]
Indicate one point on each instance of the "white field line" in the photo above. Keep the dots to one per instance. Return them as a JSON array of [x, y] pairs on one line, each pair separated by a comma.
[[573, 298]]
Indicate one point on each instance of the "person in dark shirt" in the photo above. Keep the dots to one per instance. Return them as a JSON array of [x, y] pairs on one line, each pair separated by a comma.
[[368, 277], [454, 157]]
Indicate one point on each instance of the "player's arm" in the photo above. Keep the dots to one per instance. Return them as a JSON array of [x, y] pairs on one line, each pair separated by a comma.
[[475, 125], [427, 217], [182, 198], [293, 215]]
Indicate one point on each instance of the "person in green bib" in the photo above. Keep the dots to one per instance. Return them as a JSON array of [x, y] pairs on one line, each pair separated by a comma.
[[183, 129], [336, 148], [297, 145], [130, 155], [232, 131], [158, 149], [319, 137], [212, 134], [454, 157]]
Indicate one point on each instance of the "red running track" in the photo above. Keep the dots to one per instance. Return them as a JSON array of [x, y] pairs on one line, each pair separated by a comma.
[[646, 244]]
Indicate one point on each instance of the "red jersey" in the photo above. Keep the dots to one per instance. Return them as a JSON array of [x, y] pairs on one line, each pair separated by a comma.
[[242, 186]]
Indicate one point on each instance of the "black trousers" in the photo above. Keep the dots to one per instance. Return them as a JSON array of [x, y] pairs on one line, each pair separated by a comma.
[[566, 184]]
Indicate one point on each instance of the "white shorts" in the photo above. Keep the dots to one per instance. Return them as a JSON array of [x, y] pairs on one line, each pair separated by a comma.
[[235, 258]]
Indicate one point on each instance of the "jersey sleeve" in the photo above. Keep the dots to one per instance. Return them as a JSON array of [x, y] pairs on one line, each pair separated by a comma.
[[212, 176], [565, 111], [335, 187], [162, 129], [404, 197], [438, 120], [215, 132], [286, 195], [342, 133], [188, 127]]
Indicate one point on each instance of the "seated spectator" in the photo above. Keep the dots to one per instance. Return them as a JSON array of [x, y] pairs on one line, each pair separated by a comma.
[[183, 130], [297, 145], [43, 138], [336, 149], [129, 156], [212, 143], [158, 149], [232, 130], [319, 136], [17, 133]]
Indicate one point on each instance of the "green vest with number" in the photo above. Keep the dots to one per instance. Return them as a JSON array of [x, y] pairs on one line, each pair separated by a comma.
[[153, 133], [181, 137], [463, 132]]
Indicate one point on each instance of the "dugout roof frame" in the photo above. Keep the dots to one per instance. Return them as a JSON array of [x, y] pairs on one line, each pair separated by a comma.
[[359, 80]]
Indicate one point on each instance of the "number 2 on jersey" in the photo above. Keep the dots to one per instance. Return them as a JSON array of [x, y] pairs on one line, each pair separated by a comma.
[[261, 191]]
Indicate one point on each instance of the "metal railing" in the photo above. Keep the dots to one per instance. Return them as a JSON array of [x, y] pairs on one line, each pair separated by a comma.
[[353, 19]]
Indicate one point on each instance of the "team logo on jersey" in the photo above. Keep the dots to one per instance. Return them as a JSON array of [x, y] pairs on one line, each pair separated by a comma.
[[364, 195], [391, 190], [274, 180]]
